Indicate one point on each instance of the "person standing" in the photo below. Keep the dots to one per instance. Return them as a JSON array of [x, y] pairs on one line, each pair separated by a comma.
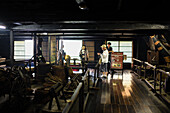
[[84, 55], [104, 56], [61, 56], [109, 48]]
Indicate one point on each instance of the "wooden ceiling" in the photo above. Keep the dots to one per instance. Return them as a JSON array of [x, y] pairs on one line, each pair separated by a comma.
[[104, 18], [68, 10]]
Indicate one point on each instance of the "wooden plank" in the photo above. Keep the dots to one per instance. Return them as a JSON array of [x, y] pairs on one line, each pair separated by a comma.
[[154, 109], [125, 97], [112, 97], [163, 109], [90, 48], [91, 54], [115, 92], [120, 94], [123, 109], [131, 99], [146, 109], [107, 108], [136, 94], [115, 108], [100, 109], [91, 59], [131, 109], [89, 43], [133, 96], [138, 108], [98, 106], [145, 93], [145, 96], [108, 101], [139, 95], [148, 94], [136, 104], [103, 94]]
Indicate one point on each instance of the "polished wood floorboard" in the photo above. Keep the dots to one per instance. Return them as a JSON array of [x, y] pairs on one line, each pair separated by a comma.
[[125, 94]]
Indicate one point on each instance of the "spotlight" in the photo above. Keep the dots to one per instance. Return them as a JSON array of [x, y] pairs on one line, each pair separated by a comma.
[[82, 4], [2, 27]]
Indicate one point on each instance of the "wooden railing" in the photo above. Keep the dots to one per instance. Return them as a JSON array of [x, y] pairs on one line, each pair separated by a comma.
[[79, 94], [76, 95], [141, 66]]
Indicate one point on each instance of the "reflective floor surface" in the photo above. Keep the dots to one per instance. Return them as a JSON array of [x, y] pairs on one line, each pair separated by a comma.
[[125, 94]]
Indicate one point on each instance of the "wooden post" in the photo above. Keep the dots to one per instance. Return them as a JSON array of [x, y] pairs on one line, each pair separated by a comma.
[[35, 51], [160, 87], [98, 71], [29, 62], [11, 48], [49, 48], [155, 79], [88, 81], [81, 98], [95, 72], [144, 70]]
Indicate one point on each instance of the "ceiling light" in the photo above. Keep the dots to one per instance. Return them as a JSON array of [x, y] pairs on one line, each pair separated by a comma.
[[82, 4], [2, 27], [17, 23], [45, 33]]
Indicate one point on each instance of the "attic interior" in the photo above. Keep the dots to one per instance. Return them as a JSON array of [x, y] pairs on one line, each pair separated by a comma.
[[35, 78]]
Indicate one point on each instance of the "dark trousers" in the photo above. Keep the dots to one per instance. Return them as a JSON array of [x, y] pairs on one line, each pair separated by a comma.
[[82, 62], [108, 67]]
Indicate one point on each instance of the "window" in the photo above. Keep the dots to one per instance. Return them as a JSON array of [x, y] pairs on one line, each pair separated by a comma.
[[123, 46], [23, 49], [72, 47]]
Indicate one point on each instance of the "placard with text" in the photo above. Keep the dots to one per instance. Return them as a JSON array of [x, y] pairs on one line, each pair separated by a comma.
[[117, 60]]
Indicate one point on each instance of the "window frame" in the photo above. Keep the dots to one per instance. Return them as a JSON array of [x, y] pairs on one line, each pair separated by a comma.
[[22, 48], [119, 48]]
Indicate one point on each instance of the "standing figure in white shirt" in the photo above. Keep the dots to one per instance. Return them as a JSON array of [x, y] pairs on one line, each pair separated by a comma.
[[105, 57]]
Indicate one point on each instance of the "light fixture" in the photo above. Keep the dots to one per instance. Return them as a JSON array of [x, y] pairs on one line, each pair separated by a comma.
[[17, 23], [45, 33], [82, 4], [2, 27]]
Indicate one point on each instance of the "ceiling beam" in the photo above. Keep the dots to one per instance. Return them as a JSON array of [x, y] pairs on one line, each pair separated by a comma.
[[89, 27]]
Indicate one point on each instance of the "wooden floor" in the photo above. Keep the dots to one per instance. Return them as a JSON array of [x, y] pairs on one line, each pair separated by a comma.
[[125, 94], [120, 94]]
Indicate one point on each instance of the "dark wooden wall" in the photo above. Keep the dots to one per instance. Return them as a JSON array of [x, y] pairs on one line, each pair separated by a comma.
[[4, 47]]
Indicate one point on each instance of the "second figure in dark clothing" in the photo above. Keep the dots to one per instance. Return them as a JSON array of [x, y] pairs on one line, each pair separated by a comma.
[[84, 55]]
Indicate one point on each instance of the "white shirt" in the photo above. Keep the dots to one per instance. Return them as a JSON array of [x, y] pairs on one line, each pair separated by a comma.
[[105, 56]]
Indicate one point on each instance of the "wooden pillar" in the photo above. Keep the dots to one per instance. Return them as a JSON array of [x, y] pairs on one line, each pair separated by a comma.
[[160, 83], [11, 48], [155, 73], [137, 52], [56, 46], [35, 51], [49, 48]]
